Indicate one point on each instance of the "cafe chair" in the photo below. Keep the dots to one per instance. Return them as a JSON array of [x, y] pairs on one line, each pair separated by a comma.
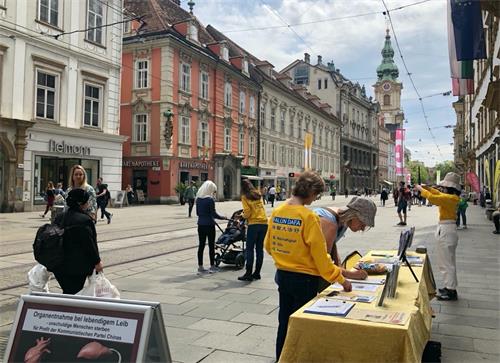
[[351, 260]]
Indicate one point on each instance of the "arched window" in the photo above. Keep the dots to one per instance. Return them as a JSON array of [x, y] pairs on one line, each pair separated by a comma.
[[387, 100]]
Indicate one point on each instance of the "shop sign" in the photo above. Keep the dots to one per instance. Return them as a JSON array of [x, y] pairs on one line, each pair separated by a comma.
[[65, 148], [141, 163], [192, 165]]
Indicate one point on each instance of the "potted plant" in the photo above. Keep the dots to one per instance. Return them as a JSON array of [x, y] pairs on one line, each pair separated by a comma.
[[179, 189]]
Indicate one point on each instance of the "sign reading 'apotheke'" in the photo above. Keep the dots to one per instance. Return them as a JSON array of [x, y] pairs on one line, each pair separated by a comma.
[[141, 163], [192, 165]]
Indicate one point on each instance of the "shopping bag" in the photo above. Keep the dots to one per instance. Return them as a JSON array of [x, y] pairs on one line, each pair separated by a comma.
[[99, 286], [38, 279]]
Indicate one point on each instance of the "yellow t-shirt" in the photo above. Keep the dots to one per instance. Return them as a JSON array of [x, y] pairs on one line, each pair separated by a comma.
[[253, 211], [296, 243], [447, 203]]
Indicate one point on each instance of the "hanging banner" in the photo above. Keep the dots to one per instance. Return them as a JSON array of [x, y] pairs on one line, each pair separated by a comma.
[[473, 181], [308, 140], [408, 179], [399, 149], [438, 176], [487, 174], [496, 186]]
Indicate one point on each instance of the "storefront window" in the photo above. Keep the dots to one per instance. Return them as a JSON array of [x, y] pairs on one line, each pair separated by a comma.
[[57, 170]]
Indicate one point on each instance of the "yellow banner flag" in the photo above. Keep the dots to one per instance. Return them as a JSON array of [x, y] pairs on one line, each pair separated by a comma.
[[308, 140], [496, 186], [487, 174]]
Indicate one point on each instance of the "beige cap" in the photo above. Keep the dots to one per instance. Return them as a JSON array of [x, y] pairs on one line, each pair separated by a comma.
[[365, 208], [451, 180]]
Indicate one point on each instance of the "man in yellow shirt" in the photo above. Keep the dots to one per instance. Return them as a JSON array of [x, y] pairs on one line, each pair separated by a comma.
[[446, 233], [296, 243]]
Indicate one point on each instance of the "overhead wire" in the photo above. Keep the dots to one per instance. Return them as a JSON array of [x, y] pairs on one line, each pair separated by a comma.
[[387, 11]]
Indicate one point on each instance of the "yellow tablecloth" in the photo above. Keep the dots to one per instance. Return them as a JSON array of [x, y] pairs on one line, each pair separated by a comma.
[[319, 338]]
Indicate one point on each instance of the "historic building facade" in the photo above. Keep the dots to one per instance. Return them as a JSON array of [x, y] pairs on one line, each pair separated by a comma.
[[171, 64], [357, 113], [59, 96], [286, 113], [477, 130]]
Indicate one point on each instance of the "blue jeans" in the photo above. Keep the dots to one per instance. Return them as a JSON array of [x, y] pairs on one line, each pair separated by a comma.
[[255, 240], [464, 219], [295, 289]]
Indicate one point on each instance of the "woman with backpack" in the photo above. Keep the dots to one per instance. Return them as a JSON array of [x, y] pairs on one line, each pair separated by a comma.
[[81, 254], [50, 196], [78, 180], [255, 214]]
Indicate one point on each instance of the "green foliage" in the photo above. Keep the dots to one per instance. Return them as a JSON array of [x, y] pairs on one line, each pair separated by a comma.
[[180, 188], [413, 167], [446, 167]]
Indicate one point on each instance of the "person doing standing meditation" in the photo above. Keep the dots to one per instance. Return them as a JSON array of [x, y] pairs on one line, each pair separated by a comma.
[[255, 214], [297, 245], [446, 234], [81, 254], [205, 209]]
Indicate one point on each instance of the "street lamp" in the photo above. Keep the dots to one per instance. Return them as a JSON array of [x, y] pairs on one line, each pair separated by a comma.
[[169, 128]]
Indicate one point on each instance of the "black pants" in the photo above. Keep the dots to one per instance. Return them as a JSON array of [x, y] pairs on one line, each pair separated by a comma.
[[102, 204], [70, 284], [496, 220], [255, 241], [295, 289], [205, 232], [190, 208], [271, 199]]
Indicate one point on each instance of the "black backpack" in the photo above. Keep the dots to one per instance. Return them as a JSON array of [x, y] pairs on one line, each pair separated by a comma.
[[48, 247]]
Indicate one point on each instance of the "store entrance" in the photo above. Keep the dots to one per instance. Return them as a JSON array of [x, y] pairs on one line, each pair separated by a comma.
[[140, 182]]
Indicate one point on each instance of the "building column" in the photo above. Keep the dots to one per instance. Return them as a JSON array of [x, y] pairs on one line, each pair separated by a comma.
[[219, 178], [20, 145]]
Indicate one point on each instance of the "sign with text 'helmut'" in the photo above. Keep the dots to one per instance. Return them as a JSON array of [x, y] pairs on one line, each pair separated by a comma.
[[67, 328]]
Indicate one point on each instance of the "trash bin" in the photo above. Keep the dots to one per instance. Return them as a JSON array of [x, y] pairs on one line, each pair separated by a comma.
[[55, 211]]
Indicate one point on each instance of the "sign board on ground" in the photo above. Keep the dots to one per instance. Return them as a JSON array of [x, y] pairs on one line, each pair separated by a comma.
[[67, 328], [140, 196], [121, 197]]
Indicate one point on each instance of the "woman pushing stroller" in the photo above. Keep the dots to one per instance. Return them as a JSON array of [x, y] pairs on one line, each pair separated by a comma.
[[255, 214]]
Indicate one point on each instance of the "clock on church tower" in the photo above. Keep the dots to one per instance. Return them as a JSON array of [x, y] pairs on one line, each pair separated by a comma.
[[386, 86]]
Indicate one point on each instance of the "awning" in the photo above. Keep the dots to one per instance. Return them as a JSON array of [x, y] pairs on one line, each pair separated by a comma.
[[251, 177], [388, 182]]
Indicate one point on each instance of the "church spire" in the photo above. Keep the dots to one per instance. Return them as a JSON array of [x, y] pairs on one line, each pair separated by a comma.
[[387, 70]]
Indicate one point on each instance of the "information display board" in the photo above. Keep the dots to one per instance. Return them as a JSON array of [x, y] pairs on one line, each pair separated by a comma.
[[56, 327]]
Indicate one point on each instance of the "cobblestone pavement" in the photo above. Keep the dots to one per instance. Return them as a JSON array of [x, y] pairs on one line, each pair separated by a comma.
[[216, 318]]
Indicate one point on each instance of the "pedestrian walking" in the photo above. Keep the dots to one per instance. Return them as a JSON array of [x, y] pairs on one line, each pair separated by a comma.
[[297, 245], [81, 254], [263, 192], [358, 215], [102, 198], [271, 195], [383, 197], [205, 209], [78, 180], [461, 210], [446, 234], [255, 214], [189, 196], [278, 192], [346, 192], [403, 199], [395, 196], [50, 196], [333, 192]]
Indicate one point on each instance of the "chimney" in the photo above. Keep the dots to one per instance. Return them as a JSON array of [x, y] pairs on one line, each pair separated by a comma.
[[320, 59], [307, 58]]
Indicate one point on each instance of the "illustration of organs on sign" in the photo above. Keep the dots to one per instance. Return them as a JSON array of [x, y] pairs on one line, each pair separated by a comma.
[[95, 350], [35, 354]]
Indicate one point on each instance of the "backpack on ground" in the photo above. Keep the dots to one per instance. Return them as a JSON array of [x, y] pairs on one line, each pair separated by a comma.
[[48, 247]]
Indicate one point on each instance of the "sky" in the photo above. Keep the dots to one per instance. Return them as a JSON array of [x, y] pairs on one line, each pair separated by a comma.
[[354, 44]]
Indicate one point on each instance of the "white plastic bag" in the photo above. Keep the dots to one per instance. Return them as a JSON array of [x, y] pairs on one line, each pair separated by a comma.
[[99, 286], [38, 278]]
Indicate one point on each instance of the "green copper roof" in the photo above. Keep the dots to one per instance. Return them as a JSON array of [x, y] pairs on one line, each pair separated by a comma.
[[387, 70]]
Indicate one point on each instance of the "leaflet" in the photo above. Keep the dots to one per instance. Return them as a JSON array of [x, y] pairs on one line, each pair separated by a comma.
[[387, 317], [355, 298], [358, 286], [370, 280], [324, 306]]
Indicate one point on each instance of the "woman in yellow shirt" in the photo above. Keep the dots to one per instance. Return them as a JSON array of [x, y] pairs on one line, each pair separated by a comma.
[[255, 214], [446, 233], [297, 245]]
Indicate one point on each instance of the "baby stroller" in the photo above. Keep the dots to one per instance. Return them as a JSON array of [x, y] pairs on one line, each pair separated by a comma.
[[228, 247]]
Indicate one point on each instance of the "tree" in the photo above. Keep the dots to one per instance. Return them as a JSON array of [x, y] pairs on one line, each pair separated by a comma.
[[446, 167], [413, 167]]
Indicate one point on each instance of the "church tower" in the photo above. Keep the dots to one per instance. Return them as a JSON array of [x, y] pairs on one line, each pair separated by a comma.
[[388, 89]]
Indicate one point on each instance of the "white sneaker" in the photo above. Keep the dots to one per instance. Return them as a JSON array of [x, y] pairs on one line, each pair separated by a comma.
[[201, 270], [213, 269]]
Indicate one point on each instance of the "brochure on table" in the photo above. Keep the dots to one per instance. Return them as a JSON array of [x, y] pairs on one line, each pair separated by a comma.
[[67, 328], [324, 306], [358, 287], [378, 316]]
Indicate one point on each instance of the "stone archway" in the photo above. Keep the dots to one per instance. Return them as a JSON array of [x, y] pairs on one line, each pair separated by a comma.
[[228, 186]]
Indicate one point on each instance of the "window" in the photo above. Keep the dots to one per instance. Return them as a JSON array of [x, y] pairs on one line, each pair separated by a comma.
[[203, 134], [282, 121], [141, 73], [91, 115], [282, 155], [252, 107], [273, 119], [242, 101], [251, 146], [95, 15], [263, 149], [241, 141], [387, 100], [326, 83], [193, 32], [227, 138], [262, 115], [225, 53], [273, 152], [204, 85], [319, 83], [245, 66], [301, 75], [141, 128], [228, 94], [46, 95], [299, 129], [185, 136], [48, 11], [185, 77], [127, 27]]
